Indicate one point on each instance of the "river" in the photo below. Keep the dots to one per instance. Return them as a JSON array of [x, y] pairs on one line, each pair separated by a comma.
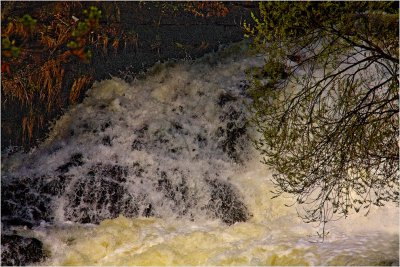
[[161, 172]]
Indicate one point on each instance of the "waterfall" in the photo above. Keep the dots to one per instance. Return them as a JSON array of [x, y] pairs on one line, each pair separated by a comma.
[[162, 171]]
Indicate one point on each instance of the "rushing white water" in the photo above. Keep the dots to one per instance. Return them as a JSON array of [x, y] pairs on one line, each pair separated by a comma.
[[181, 126]]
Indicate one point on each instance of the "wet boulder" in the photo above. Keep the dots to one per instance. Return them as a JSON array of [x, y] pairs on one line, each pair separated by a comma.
[[225, 203], [101, 195], [54, 186], [232, 133], [225, 98], [106, 141], [230, 141], [17, 250], [137, 145], [177, 192], [27, 201], [75, 160], [201, 141]]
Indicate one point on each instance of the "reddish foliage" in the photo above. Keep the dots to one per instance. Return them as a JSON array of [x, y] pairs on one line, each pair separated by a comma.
[[5, 68], [207, 9]]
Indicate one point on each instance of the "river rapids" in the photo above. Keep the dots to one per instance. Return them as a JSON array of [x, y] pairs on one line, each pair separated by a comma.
[[162, 171]]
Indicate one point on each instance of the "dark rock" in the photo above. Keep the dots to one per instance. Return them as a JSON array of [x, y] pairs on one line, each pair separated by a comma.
[[161, 139], [230, 115], [17, 250], [55, 186], [295, 58], [117, 172], [141, 131], [220, 132], [17, 222], [75, 160], [148, 212], [104, 126], [224, 98], [230, 141], [165, 185], [85, 127], [101, 196], [178, 192], [138, 170], [137, 145], [106, 141], [226, 204], [201, 141], [24, 201], [177, 126]]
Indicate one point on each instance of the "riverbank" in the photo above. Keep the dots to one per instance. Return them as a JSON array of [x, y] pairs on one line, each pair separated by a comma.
[[160, 32]]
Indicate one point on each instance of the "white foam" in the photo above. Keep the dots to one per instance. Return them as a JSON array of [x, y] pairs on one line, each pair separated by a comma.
[[187, 93]]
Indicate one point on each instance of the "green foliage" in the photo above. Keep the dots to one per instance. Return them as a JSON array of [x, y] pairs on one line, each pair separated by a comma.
[[9, 48], [72, 45], [24, 26], [28, 21], [91, 21], [275, 70], [326, 103], [82, 31], [93, 15]]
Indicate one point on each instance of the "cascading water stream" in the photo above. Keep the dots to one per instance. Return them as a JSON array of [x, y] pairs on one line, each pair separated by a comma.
[[162, 172]]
